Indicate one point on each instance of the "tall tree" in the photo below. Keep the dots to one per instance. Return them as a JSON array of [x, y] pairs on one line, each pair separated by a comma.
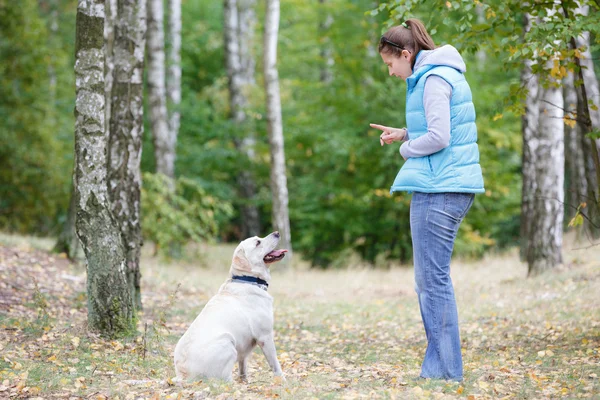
[[174, 62], [279, 190], [529, 128], [588, 96], [575, 176], [544, 250], [67, 241], [110, 304], [164, 143], [238, 25], [126, 129]]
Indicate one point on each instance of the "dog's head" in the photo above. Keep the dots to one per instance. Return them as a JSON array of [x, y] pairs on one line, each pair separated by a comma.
[[254, 254]]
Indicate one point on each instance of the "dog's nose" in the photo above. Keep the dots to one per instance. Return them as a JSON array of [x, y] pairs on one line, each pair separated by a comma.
[[276, 233]]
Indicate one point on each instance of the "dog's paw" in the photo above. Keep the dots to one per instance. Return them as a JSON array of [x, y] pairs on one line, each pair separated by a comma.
[[279, 379]]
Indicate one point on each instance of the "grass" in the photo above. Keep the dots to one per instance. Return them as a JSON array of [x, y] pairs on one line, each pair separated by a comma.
[[341, 334]]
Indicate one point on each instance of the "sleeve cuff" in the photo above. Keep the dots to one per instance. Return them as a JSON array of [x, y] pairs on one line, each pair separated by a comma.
[[403, 149]]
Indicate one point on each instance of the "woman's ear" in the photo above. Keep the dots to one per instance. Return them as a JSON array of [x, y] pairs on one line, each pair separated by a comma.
[[406, 54]]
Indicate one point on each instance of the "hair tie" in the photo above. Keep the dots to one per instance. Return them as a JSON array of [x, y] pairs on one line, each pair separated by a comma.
[[404, 25]]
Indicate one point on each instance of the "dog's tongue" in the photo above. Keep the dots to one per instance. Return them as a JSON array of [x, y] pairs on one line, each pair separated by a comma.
[[277, 253]]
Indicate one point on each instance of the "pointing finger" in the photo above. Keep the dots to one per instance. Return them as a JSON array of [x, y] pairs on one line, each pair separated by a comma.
[[380, 127]]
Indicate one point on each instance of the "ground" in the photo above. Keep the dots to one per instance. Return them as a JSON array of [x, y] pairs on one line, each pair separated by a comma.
[[340, 334]]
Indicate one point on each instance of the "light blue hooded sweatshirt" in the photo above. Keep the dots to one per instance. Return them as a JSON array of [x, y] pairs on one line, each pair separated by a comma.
[[442, 153]]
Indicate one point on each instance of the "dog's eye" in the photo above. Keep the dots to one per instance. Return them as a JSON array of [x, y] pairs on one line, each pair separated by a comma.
[[257, 243]]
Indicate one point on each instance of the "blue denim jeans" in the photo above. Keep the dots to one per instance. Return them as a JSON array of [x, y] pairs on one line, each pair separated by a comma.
[[434, 222]]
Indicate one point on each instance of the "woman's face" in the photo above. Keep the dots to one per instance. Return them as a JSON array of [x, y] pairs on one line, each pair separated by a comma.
[[398, 66]]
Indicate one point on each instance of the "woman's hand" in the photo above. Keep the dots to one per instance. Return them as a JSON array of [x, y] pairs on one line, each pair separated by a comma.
[[390, 135]]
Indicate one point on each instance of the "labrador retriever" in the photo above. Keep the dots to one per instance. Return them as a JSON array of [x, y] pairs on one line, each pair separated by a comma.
[[235, 320]]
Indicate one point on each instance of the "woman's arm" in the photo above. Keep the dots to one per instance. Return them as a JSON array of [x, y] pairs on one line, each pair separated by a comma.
[[436, 101]]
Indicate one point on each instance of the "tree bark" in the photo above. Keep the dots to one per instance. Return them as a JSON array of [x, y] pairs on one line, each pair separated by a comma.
[[547, 146], [238, 22], [109, 61], [126, 130], [575, 179], [174, 81], [279, 190], [67, 241], [110, 305], [164, 145], [589, 93], [529, 127]]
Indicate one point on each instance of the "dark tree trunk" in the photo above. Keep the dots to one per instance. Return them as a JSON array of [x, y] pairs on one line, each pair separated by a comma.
[[68, 242]]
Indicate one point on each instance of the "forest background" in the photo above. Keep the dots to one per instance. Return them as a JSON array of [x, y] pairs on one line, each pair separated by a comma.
[[338, 175]]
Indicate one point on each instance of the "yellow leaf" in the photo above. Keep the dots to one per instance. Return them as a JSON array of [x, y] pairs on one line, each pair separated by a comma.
[[497, 117], [541, 353], [460, 390], [75, 342], [569, 121]]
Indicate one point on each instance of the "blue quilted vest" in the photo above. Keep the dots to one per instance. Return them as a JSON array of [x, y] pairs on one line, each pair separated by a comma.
[[455, 168]]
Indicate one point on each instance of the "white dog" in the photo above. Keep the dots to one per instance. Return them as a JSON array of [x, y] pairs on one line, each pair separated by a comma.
[[235, 320]]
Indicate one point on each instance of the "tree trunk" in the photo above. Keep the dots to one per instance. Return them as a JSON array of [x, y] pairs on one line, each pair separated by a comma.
[[68, 242], [174, 81], [110, 305], [547, 146], [109, 59], [326, 51], [164, 145], [575, 179], [281, 220], [240, 71], [126, 129], [589, 93], [529, 127]]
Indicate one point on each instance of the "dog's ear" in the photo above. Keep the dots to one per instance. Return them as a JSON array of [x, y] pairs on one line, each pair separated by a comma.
[[240, 261]]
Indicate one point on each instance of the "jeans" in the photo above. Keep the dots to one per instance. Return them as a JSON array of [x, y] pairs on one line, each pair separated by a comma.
[[434, 222]]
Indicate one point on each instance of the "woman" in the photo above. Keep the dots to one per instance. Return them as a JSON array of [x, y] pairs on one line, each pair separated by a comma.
[[441, 170]]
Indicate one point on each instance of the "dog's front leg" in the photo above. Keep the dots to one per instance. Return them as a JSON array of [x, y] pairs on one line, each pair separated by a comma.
[[267, 344], [243, 364]]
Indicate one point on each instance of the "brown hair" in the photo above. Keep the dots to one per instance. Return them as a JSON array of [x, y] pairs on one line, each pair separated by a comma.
[[411, 35]]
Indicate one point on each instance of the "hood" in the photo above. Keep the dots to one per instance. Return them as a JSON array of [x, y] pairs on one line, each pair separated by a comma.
[[446, 55]]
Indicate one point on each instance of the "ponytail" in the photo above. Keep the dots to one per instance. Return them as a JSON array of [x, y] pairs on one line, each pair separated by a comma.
[[411, 35]]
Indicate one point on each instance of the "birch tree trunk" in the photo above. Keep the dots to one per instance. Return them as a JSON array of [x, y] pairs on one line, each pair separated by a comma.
[[589, 93], [126, 129], [164, 145], [109, 59], [529, 128], [174, 58], [240, 71], [279, 191], [110, 305], [547, 146], [575, 179]]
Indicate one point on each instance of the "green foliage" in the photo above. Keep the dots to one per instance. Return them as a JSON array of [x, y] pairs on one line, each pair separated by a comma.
[[338, 174], [36, 113], [173, 216]]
